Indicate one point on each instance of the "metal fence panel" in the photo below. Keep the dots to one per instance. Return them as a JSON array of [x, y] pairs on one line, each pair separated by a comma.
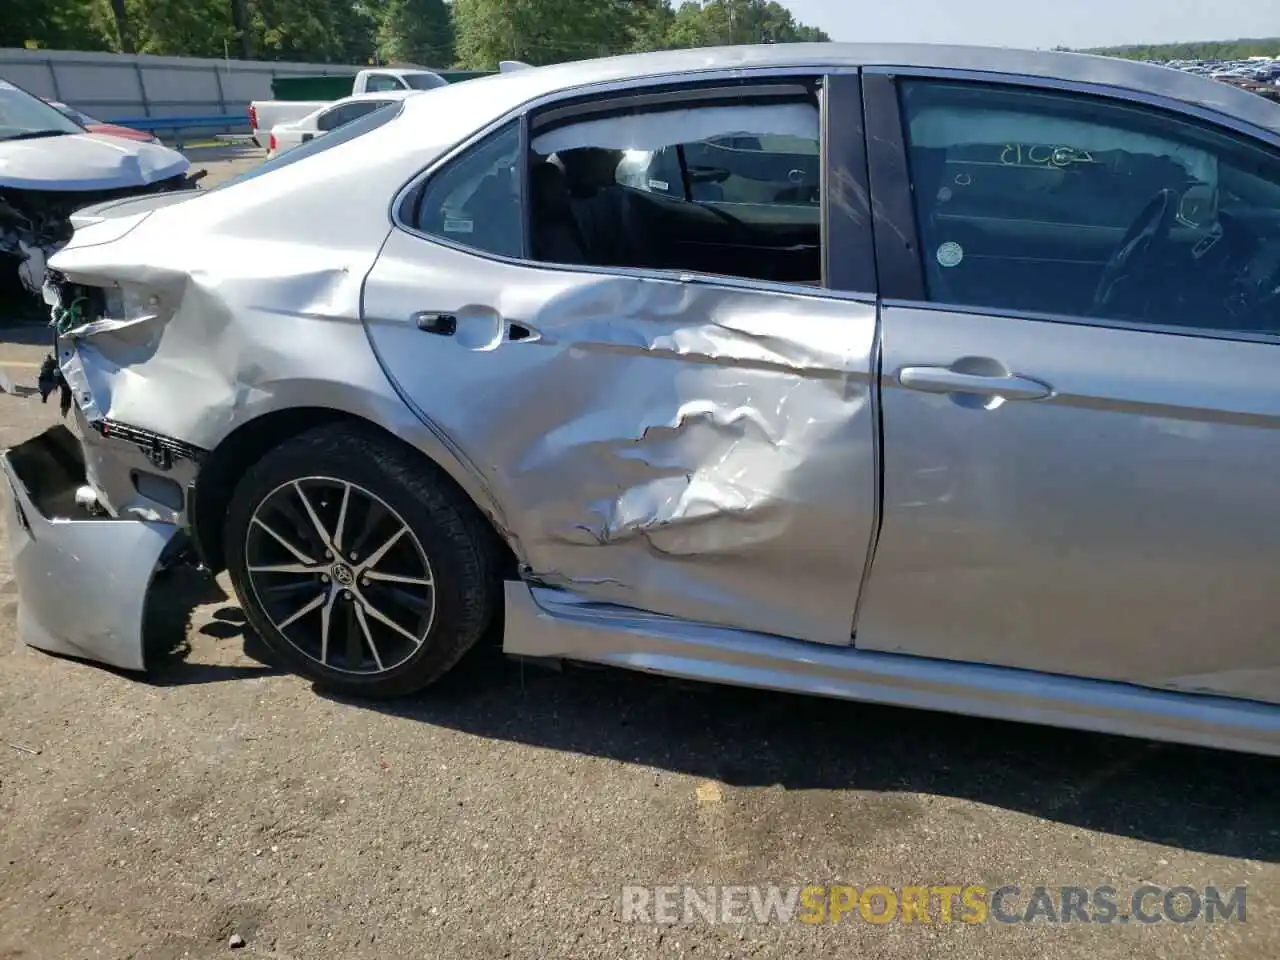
[[112, 86]]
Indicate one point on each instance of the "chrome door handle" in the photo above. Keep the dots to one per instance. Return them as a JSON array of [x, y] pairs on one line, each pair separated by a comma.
[[947, 380]]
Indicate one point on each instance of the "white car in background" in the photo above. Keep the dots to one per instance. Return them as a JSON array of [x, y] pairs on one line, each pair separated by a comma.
[[330, 116], [50, 167]]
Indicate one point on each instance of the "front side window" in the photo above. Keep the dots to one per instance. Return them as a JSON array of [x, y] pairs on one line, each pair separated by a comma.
[[475, 200], [1037, 201], [728, 188]]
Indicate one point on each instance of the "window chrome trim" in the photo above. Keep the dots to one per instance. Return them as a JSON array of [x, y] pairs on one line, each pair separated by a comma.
[[1085, 88], [581, 108], [520, 114], [1101, 323]]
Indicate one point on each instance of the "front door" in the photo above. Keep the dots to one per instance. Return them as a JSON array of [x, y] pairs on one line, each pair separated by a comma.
[[1080, 408], [695, 445]]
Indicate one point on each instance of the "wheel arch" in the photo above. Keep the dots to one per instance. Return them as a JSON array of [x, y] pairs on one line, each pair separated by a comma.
[[210, 495]]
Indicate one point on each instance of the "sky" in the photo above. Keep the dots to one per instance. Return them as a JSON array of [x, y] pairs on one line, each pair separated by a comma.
[[1034, 23]]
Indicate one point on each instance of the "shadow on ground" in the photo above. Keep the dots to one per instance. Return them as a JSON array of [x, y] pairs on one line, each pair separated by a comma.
[[176, 593], [1203, 800], [22, 316], [34, 332]]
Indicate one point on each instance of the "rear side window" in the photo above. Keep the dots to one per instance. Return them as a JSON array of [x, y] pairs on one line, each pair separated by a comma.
[[783, 170], [475, 200], [341, 116], [728, 189]]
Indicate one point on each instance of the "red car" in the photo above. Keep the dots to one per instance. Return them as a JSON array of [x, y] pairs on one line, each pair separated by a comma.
[[97, 126]]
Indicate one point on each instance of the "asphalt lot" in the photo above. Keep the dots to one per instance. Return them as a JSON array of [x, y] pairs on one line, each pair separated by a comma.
[[500, 815]]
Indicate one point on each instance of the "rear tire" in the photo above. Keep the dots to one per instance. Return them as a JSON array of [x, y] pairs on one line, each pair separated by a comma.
[[410, 581]]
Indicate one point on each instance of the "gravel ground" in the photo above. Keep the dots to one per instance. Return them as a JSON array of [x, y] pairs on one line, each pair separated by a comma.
[[500, 815]]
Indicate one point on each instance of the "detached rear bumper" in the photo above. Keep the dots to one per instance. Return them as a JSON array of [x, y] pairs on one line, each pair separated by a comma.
[[82, 580]]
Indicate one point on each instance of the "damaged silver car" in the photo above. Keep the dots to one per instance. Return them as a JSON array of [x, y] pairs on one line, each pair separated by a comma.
[[933, 376], [51, 166]]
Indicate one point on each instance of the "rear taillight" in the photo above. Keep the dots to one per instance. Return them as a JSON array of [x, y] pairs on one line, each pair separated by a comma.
[[271, 144], [253, 117]]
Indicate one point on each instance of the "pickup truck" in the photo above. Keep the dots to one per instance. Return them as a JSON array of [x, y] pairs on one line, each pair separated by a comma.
[[266, 114]]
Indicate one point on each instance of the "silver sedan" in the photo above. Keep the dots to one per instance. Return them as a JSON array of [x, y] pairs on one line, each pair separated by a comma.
[[934, 376]]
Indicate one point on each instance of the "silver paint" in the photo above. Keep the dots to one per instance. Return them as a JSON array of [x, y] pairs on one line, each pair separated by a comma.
[[686, 468], [687, 447], [61, 559], [552, 623], [1123, 528]]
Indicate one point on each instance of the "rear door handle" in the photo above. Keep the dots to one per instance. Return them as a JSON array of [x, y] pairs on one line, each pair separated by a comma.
[[947, 380]]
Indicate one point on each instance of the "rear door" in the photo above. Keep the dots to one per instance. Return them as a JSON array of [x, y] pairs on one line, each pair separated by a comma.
[[700, 446], [1080, 459]]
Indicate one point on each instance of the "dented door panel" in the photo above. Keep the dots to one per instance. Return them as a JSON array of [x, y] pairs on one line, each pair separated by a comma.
[[696, 449]]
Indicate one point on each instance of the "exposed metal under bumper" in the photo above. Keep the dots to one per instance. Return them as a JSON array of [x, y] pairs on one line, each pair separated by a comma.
[[82, 580], [552, 623]]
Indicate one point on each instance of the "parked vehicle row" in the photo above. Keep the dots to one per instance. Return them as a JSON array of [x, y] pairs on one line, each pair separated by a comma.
[[94, 125], [325, 119], [51, 164], [373, 88], [266, 115], [1259, 75], [926, 375]]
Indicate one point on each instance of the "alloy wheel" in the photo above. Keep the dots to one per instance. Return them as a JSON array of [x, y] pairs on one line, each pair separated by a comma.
[[340, 575]]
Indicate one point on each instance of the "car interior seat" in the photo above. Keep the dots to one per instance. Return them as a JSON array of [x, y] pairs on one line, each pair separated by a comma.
[[603, 208], [556, 237]]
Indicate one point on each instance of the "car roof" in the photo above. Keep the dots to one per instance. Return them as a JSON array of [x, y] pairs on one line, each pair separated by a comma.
[[374, 95], [356, 98], [1148, 78]]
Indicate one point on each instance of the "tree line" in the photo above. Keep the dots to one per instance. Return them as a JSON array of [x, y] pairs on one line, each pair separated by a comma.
[[1203, 50], [469, 34]]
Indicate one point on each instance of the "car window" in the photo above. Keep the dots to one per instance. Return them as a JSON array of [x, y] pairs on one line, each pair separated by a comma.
[[1031, 200], [344, 114], [332, 118], [425, 81], [730, 189], [22, 115], [781, 171], [475, 199], [380, 82]]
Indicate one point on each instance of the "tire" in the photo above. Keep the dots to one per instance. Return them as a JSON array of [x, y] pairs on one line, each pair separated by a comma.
[[445, 542]]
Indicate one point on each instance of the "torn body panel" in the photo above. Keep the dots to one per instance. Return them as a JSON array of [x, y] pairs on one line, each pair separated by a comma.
[[696, 449], [187, 342], [61, 552], [36, 223]]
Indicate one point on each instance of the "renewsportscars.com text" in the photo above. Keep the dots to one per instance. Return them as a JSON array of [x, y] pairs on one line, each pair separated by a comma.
[[937, 903]]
